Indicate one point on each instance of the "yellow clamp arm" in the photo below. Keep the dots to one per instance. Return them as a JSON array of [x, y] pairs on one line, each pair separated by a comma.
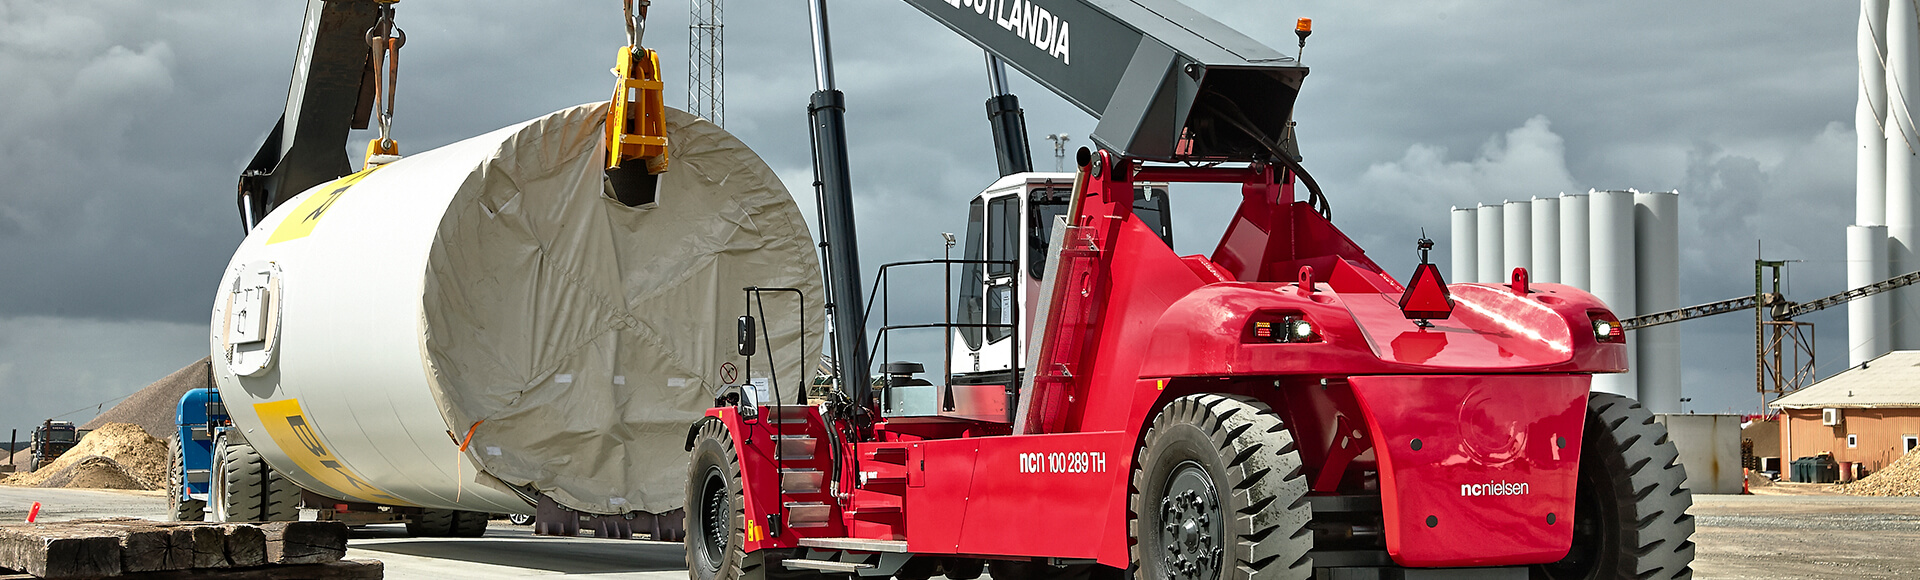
[[637, 121]]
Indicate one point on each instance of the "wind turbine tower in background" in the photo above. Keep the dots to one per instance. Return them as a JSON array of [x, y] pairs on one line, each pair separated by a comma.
[[706, 60]]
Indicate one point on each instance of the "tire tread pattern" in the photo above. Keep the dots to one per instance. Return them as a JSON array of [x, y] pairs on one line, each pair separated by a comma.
[[1265, 478], [1655, 544]]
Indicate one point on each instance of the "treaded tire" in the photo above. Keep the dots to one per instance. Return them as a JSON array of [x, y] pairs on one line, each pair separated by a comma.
[[247, 490], [716, 510], [1630, 519], [180, 509], [1256, 481], [431, 523], [470, 524]]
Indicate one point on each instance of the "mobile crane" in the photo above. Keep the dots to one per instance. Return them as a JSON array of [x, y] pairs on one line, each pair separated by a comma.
[[1281, 408]]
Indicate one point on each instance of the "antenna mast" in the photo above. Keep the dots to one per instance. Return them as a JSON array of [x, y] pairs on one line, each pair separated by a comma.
[[706, 60]]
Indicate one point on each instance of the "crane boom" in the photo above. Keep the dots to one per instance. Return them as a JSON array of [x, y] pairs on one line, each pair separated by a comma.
[[1154, 72], [331, 92], [1781, 309]]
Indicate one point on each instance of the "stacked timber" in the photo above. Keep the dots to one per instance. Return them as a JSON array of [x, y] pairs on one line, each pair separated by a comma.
[[142, 549]]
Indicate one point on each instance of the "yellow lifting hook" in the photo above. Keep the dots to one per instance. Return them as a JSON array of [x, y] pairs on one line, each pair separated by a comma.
[[636, 121]]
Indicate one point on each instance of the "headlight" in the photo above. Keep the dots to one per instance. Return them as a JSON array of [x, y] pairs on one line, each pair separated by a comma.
[[1606, 329]]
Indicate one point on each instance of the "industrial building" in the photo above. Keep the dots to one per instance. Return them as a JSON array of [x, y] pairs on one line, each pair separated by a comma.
[[1867, 415]]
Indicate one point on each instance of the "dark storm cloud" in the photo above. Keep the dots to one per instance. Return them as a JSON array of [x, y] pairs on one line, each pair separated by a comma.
[[123, 126]]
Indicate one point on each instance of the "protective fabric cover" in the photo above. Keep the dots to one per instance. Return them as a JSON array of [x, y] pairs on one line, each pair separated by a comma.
[[576, 338]]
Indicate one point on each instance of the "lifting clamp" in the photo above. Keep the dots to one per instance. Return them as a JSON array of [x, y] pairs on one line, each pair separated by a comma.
[[385, 40], [636, 121]]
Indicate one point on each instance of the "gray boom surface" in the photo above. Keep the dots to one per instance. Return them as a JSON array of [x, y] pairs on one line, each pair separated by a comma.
[[331, 92], [1152, 71]]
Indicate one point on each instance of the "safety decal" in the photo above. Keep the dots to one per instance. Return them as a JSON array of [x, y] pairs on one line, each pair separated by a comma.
[[289, 427], [308, 213]]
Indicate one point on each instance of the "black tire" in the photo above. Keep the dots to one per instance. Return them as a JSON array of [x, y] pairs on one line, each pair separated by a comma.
[[1630, 512], [431, 523], [245, 489], [1225, 470], [964, 568], [716, 510], [178, 507], [469, 524]]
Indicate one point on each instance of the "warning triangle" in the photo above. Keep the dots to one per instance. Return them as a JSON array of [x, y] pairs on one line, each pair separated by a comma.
[[1426, 296]]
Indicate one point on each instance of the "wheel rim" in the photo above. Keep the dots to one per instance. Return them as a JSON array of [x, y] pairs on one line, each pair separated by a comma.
[[716, 518], [1190, 524]]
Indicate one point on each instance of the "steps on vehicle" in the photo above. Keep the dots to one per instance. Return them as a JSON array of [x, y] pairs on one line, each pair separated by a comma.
[[808, 514], [825, 565], [856, 544]]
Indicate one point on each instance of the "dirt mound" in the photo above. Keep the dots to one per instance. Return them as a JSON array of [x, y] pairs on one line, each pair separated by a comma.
[[1900, 478], [138, 454], [152, 407], [93, 472]]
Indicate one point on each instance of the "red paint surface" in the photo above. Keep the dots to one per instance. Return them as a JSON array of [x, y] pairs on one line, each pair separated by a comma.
[[1476, 430], [33, 513]]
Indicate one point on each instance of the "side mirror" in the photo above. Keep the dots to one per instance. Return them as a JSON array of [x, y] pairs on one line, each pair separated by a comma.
[[745, 335]]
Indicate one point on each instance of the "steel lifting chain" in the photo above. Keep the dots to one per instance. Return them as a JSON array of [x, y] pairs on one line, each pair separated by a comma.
[[385, 39]]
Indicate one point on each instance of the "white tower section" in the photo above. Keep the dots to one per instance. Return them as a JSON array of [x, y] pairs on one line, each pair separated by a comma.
[[1546, 240], [1656, 227], [1518, 222], [1903, 67], [706, 60], [1466, 241], [1869, 117], [1611, 219], [1867, 318], [1492, 247], [1576, 264]]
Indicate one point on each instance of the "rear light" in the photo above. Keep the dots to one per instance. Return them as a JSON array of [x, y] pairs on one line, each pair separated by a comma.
[[1606, 328], [1282, 327]]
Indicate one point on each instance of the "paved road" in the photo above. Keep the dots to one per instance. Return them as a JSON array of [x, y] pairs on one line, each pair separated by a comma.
[[1740, 538]]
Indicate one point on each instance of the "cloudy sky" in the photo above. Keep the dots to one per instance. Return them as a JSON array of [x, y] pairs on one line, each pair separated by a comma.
[[124, 124]]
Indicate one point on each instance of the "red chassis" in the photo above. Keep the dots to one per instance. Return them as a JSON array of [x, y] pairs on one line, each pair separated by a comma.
[[1463, 435]]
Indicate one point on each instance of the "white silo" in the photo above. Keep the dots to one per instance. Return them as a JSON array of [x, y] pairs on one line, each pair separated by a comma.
[[1903, 66], [1611, 222], [1546, 240], [1519, 239], [1466, 240], [1869, 115], [1491, 244], [1656, 251], [1867, 318], [1576, 258]]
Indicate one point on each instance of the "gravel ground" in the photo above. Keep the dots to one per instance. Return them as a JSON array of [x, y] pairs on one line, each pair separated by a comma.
[[1816, 537], [1806, 536]]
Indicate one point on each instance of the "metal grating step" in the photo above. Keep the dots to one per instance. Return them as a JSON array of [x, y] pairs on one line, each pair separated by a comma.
[[798, 447], [808, 514], [802, 480], [826, 565], [856, 544]]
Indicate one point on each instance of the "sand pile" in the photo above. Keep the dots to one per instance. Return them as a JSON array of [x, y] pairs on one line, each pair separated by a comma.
[[152, 407], [93, 472], [128, 448], [1901, 478]]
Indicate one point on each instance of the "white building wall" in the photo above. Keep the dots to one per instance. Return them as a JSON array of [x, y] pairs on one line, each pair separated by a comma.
[[1519, 239], [1464, 246], [1656, 252], [1492, 244], [1903, 95], [1576, 258], [1546, 240], [1611, 224], [1868, 319]]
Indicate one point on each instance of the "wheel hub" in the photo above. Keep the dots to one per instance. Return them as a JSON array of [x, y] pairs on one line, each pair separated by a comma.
[[716, 518], [1191, 524]]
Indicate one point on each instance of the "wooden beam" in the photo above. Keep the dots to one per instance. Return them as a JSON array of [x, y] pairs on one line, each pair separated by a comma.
[[305, 542], [56, 552]]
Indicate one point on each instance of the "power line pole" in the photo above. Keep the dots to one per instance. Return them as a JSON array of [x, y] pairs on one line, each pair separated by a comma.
[[706, 60]]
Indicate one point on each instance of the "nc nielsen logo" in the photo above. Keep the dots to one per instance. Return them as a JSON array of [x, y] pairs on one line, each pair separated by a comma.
[[1031, 23], [1499, 488]]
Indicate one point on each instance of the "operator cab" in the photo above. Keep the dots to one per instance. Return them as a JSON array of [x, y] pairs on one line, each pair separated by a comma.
[[1010, 226]]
